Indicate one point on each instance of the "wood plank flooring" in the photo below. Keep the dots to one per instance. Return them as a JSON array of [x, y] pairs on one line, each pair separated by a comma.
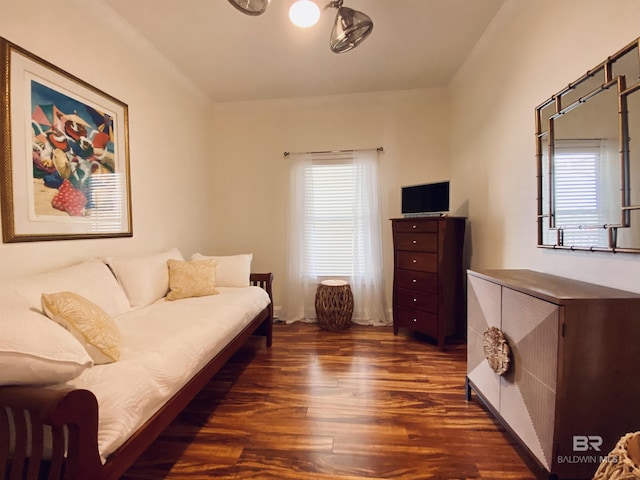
[[359, 404]]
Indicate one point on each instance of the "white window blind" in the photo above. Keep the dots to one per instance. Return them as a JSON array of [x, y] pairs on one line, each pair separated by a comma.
[[578, 193], [332, 219]]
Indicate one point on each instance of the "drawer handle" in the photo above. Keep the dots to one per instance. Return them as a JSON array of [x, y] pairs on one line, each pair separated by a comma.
[[415, 320], [415, 300], [415, 261], [413, 281], [414, 242], [413, 226]]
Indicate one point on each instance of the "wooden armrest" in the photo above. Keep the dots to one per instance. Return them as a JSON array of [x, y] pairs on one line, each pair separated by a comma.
[[263, 280], [24, 413], [51, 405]]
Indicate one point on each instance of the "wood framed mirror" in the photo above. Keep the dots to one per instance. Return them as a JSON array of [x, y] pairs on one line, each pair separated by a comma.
[[588, 159]]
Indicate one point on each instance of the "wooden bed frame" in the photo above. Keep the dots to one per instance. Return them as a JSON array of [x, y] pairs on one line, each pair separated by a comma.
[[72, 416]]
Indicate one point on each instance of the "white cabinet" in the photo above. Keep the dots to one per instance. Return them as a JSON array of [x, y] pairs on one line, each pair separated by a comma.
[[525, 396], [568, 341]]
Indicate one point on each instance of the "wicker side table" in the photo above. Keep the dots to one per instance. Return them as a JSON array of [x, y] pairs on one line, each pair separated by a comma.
[[334, 305]]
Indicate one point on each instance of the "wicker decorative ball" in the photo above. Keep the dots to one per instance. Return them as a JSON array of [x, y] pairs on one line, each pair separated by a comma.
[[623, 463], [334, 305]]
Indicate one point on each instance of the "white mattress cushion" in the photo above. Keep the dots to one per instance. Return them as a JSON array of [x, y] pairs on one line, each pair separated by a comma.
[[33, 349], [231, 270], [163, 345], [92, 279], [144, 278], [125, 395]]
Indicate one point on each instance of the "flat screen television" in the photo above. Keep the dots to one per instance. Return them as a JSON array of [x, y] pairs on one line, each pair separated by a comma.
[[426, 199]]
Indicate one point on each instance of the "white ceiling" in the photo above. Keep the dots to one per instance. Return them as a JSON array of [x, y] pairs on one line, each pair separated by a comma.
[[230, 56]]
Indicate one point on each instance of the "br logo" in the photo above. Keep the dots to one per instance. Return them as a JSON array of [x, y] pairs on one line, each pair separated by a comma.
[[584, 443]]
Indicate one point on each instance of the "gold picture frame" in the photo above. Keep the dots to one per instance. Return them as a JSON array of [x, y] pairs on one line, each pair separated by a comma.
[[64, 153]]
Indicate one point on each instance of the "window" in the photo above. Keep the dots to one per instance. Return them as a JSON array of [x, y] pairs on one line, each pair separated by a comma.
[[335, 232]]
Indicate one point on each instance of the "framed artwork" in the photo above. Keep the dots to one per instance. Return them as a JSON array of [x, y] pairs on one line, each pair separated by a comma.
[[64, 153]]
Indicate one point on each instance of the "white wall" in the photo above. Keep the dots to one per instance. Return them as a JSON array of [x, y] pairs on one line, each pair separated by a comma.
[[249, 176], [533, 49], [168, 127], [213, 178]]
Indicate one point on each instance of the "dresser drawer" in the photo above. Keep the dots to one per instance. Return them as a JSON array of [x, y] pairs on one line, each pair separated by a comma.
[[421, 261], [412, 279], [419, 242], [417, 226], [417, 320], [415, 299]]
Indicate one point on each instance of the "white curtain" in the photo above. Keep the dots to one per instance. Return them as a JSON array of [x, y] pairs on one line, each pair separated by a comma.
[[300, 287], [366, 278]]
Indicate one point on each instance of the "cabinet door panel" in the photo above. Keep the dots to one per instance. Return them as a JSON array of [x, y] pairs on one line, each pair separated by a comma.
[[483, 311], [527, 401]]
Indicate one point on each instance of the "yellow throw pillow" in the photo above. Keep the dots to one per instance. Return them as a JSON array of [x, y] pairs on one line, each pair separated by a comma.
[[90, 324], [195, 278]]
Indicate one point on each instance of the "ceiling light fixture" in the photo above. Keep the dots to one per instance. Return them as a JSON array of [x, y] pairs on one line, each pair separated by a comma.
[[350, 28], [251, 7], [304, 13]]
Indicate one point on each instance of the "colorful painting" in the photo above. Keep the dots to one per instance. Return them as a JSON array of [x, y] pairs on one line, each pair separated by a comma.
[[64, 145], [72, 143]]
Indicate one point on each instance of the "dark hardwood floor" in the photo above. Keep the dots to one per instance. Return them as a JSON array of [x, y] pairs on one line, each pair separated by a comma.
[[359, 404]]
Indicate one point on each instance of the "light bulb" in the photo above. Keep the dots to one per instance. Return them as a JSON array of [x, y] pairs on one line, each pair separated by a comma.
[[304, 13]]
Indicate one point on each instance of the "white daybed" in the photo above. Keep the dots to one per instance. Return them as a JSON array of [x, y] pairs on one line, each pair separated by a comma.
[[66, 417]]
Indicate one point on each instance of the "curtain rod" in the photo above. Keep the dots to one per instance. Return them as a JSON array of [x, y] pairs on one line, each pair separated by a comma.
[[380, 149]]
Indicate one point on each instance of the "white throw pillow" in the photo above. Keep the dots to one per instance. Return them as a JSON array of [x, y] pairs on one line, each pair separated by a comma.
[[34, 350], [144, 278], [231, 270], [92, 279]]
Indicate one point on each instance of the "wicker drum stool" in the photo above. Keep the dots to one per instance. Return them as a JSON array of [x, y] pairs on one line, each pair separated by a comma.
[[334, 305]]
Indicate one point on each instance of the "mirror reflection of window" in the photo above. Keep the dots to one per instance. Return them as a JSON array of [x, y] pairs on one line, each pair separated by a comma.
[[581, 191], [586, 173]]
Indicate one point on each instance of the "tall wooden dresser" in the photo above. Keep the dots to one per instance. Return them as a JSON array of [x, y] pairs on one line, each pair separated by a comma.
[[570, 390], [428, 278]]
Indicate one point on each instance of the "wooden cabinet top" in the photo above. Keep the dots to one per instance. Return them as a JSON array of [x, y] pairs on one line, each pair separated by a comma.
[[552, 288]]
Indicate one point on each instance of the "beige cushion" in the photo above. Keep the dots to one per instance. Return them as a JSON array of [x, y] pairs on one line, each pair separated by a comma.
[[144, 278], [33, 349], [191, 279], [94, 329], [231, 270]]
